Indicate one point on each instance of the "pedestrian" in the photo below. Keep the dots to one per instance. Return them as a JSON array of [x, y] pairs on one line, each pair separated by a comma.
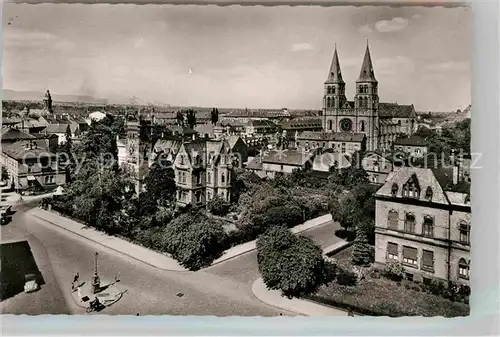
[[137, 314]]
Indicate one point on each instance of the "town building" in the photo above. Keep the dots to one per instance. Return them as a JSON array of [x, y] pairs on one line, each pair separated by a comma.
[[343, 142], [32, 166], [413, 146], [377, 166], [203, 171], [291, 127], [423, 226], [271, 162], [380, 122]]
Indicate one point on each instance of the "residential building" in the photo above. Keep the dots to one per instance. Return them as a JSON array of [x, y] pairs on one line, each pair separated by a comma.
[[291, 127], [327, 159], [260, 127], [32, 166], [380, 122], [203, 170], [377, 165], [414, 146], [282, 161], [343, 142], [61, 130], [239, 150], [423, 226]]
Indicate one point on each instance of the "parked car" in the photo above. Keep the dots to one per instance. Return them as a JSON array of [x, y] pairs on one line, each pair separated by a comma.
[[30, 284]]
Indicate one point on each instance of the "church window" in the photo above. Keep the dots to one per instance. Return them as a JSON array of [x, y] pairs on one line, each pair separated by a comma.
[[223, 178], [428, 193], [394, 190], [333, 90], [330, 125], [328, 102], [333, 102], [362, 126]]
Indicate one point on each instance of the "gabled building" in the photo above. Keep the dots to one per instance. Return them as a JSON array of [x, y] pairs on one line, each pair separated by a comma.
[[202, 171], [377, 166], [414, 146], [423, 226], [343, 142], [281, 161]]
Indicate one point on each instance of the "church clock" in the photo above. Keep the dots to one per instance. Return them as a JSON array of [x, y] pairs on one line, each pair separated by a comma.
[[346, 125]]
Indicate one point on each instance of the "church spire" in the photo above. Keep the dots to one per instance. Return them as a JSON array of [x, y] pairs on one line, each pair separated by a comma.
[[335, 75], [367, 74]]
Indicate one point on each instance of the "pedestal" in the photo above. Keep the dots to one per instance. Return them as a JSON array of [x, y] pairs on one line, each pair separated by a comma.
[[96, 284]]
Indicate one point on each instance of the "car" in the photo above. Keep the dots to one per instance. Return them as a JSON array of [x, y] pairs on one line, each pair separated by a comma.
[[30, 284]]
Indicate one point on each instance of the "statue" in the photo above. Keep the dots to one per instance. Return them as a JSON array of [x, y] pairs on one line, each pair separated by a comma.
[[96, 282]]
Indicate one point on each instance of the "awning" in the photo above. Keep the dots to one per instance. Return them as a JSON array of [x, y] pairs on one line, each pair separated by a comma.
[[31, 178]]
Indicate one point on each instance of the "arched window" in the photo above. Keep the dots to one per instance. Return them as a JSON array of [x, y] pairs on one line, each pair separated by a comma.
[[333, 102], [328, 102], [392, 219], [328, 90], [428, 193], [360, 89], [362, 126], [209, 177], [333, 90], [394, 189], [410, 223], [428, 226], [463, 269], [366, 89], [330, 125], [464, 229], [222, 178]]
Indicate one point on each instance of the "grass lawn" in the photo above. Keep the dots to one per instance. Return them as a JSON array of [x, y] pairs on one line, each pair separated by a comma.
[[382, 297], [16, 261]]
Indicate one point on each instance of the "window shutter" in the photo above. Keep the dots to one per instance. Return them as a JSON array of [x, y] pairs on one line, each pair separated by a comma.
[[392, 248], [410, 253], [428, 258]]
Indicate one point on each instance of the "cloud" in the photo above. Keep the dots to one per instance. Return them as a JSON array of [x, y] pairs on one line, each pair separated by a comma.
[[389, 26], [366, 29], [449, 66], [416, 16], [302, 46]]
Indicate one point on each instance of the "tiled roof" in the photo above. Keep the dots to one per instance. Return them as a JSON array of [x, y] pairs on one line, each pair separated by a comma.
[[19, 150], [287, 157], [425, 178], [412, 141], [331, 136], [182, 130], [262, 123], [13, 134], [232, 140], [167, 146], [301, 124], [43, 135], [255, 164], [457, 198], [205, 128], [56, 128], [10, 120], [394, 110]]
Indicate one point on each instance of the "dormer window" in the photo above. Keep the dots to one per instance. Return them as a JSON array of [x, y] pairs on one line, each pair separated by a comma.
[[467, 199], [181, 159], [428, 193], [394, 190]]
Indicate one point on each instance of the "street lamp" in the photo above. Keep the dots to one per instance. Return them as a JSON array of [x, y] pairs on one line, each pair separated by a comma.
[[96, 282]]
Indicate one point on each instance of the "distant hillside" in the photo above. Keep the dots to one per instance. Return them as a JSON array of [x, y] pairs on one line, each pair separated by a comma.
[[443, 118], [13, 95]]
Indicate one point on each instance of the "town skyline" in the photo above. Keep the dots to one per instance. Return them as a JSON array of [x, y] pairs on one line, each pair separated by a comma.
[[282, 62]]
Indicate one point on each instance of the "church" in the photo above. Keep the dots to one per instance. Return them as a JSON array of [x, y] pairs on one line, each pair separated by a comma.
[[379, 122]]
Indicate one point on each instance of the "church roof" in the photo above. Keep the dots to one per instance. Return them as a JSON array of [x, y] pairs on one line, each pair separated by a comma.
[[301, 124], [395, 110], [334, 136], [335, 75], [367, 74]]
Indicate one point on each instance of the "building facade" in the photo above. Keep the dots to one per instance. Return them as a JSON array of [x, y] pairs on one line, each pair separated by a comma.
[[380, 122], [377, 166], [413, 146], [343, 142], [423, 227]]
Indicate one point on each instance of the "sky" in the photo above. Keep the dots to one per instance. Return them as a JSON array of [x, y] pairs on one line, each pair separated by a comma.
[[237, 56]]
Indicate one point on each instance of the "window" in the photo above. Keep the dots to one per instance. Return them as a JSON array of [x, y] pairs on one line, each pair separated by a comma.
[[463, 269], [198, 178], [394, 190], [428, 226], [427, 281], [428, 193], [209, 177], [198, 197], [428, 260], [222, 178], [375, 166], [333, 90], [181, 159], [328, 102], [330, 126], [392, 252], [409, 277], [393, 220], [464, 232], [410, 223], [362, 126], [410, 256], [209, 195], [333, 102]]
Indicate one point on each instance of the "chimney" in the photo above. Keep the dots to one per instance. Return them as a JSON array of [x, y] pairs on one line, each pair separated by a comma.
[[455, 174], [194, 136]]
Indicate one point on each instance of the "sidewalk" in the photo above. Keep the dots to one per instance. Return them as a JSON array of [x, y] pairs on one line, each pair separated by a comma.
[[301, 307], [132, 250], [251, 245]]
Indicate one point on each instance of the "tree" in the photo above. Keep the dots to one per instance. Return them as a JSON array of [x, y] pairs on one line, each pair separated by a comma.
[[159, 183], [5, 173], [214, 116], [180, 118], [292, 264], [191, 118], [218, 206], [362, 253], [194, 240]]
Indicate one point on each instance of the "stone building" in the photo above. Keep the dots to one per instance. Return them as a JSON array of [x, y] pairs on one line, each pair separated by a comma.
[[343, 142], [422, 226], [203, 170], [414, 146], [380, 122]]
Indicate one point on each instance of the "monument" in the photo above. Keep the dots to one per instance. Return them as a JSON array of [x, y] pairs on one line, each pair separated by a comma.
[[96, 282]]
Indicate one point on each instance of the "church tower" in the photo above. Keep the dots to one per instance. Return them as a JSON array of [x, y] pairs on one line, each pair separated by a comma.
[[47, 102], [334, 95], [366, 102]]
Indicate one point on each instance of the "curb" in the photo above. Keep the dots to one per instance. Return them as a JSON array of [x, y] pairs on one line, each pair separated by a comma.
[[78, 303], [111, 248], [255, 248]]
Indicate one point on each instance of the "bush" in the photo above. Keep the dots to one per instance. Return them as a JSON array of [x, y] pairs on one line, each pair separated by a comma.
[[363, 254], [218, 206], [346, 277], [394, 271], [194, 240], [292, 264]]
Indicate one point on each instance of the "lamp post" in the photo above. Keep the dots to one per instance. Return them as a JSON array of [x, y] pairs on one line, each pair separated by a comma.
[[96, 282]]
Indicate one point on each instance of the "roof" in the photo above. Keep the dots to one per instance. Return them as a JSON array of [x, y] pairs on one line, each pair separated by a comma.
[[335, 75], [43, 135], [425, 178], [302, 124], [255, 164], [287, 157], [19, 150], [204, 128], [56, 128], [182, 130], [367, 74], [97, 115], [411, 141], [395, 110], [14, 134], [331, 136], [232, 140], [167, 145], [262, 123], [323, 162], [457, 198]]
